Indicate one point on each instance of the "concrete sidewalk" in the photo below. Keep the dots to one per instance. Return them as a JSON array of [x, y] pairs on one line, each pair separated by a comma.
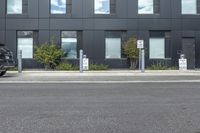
[[110, 73]]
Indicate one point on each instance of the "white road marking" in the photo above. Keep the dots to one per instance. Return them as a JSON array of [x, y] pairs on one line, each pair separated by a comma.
[[97, 82]]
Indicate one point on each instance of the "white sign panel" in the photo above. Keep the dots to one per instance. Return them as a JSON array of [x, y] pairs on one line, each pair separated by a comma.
[[140, 43], [182, 64], [85, 64]]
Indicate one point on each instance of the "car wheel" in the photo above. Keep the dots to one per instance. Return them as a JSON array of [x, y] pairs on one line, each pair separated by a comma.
[[2, 73]]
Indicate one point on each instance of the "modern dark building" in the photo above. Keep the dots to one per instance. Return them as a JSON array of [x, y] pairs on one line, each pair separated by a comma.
[[99, 27]]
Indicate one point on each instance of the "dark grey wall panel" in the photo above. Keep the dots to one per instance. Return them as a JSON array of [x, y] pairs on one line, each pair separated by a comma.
[[88, 43], [33, 8], [110, 24], [88, 24], [44, 8], [190, 24], [2, 37], [121, 8], [2, 24], [176, 24], [66, 24], [98, 51], [88, 8], [43, 36], [11, 41], [154, 24], [175, 8], [132, 8], [77, 12], [82, 18], [132, 24], [55, 35], [44, 24], [22, 24], [165, 8], [188, 33], [2, 8]]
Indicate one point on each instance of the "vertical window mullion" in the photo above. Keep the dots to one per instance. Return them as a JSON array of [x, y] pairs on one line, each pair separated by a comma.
[[198, 6], [156, 6]]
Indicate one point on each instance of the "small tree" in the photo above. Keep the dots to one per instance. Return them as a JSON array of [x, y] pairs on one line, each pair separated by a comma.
[[132, 52], [48, 54]]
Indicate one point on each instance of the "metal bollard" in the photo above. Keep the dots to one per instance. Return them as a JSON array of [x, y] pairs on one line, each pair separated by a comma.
[[20, 61], [81, 61], [143, 61]]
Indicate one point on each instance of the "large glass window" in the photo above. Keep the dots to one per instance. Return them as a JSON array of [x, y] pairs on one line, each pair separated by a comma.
[[102, 6], [145, 6], [113, 48], [58, 6], [25, 43], [189, 6], [69, 44], [157, 48], [14, 6]]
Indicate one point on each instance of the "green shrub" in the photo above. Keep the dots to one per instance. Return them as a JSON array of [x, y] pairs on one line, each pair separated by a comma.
[[158, 66], [66, 67], [12, 69], [48, 54], [98, 67]]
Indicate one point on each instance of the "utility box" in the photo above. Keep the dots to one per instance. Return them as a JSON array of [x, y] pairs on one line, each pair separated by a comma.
[[182, 63]]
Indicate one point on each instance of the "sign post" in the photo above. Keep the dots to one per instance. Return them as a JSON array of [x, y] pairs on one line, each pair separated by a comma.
[[81, 61], [140, 46], [20, 61]]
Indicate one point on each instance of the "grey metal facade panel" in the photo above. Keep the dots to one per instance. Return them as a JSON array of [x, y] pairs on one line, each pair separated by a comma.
[[44, 24], [66, 24], [33, 9], [82, 18], [21, 24], [88, 45], [44, 36], [77, 12], [2, 8], [2, 36], [44, 8], [2, 24], [110, 24], [121, 8], [154, 24], [190, 24], [132, 9]]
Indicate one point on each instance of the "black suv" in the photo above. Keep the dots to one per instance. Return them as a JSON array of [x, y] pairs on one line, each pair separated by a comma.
[[6, 59]]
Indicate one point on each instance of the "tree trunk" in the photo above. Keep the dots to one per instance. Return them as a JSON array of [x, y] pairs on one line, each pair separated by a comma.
[[133, 63]]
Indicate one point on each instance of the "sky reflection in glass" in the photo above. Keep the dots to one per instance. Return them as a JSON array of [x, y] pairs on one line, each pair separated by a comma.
[[145, 6], [58, 6], [102, 6], [189, 6], [14, 6]]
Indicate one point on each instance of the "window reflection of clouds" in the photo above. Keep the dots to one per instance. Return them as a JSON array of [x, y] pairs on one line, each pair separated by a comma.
[[189, 6], [102, 6], [58, 6], [14, 7], [145, 6]]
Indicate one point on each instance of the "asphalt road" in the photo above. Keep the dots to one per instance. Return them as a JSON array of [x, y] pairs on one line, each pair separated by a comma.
[[100, 108]]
